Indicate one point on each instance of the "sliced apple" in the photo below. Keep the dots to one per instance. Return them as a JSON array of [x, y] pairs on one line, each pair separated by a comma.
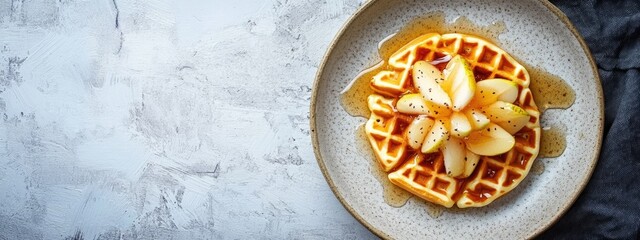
[[507, 115], [435, 137], [460, 126], [490, 141], [496, 89], [454, 153], [459, 82], [446, 84], [437, 111], [470, 161], [425, 79], [412, 103], [476, 118], [417, 131]]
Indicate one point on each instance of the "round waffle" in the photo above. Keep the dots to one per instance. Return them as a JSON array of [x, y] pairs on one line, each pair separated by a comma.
[[424, 174]]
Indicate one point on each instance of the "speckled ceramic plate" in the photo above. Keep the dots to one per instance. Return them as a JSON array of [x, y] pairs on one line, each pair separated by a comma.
[[537, 34]]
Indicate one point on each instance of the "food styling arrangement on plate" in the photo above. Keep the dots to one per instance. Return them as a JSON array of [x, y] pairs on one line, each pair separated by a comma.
[[453, 120], [442, 129]]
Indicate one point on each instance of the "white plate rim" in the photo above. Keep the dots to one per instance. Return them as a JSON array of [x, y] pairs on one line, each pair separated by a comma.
[[316, 146]]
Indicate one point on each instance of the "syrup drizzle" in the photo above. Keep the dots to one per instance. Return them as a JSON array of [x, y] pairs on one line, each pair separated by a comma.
[[553, 143], [549, 91], [537, 168], [354, 97]]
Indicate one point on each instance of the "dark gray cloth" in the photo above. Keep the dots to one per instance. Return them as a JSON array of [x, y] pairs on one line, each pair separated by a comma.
[[609, 207]]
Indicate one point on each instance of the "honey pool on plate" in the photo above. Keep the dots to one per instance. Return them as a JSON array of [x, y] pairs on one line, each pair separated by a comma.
[[549, 91]]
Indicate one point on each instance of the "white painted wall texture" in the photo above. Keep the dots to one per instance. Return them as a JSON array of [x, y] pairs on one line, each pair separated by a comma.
[[154, 119]]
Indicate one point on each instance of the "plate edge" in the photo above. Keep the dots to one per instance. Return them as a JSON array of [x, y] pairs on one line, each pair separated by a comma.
[[312, 123], [316, 147]]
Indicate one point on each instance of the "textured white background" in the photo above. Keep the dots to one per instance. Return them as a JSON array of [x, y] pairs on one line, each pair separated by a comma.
[[163, 119]]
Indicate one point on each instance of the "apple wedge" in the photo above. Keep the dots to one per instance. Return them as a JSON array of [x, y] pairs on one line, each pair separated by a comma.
[[470, 161], [490, 141], [492, 90], [460, 126], [507, 115], [476, 118], [435, 137], [425, 79], [412, 103], [437, 111], [417, 131], [454, 154], [459, 82]]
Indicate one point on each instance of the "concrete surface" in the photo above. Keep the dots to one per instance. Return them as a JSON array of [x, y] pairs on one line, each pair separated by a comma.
[[154, 119]]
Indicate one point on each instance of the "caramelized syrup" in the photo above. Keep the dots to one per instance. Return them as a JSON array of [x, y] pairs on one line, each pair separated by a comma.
[[537, 168], [354, 97], [436, 22], [393, 195], [552, 143], [549, 92]]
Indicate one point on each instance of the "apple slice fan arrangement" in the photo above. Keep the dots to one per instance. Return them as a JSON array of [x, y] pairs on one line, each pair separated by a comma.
[[453, 120]]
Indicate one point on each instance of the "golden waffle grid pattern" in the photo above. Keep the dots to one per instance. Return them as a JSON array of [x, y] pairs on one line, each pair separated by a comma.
[[425, 176], [497, 175], [484, 58], [494, 176], [384, 131]]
